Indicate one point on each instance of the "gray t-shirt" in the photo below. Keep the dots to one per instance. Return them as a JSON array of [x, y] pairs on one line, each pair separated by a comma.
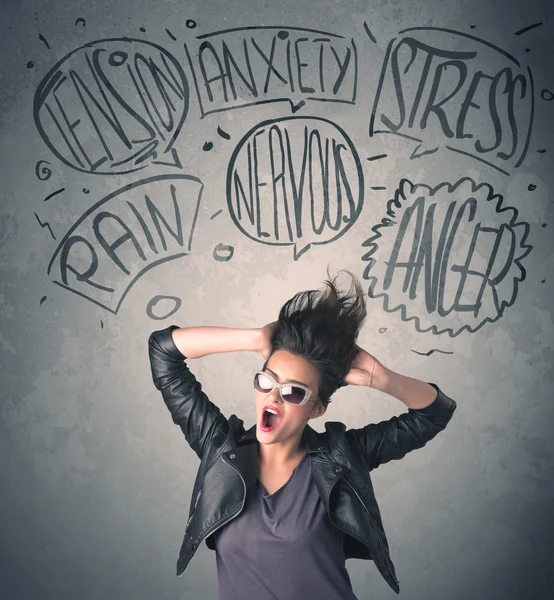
[[283, 546]]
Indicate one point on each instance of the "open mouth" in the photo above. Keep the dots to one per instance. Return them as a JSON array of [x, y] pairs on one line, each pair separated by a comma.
[[270, 419]]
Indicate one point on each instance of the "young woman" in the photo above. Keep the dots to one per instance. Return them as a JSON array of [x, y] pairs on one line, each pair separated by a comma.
[[282, 505]]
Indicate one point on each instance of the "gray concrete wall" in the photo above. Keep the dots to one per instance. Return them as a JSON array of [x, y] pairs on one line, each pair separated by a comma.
[[437, 121]]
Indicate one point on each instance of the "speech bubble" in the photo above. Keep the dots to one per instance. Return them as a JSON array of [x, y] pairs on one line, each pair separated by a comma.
[[448, 258], [246, 66], [124, 235], [446, 89], [113, 106], [295, 181]]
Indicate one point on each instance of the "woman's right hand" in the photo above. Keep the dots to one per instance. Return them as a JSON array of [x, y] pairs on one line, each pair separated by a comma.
[[266, 333]]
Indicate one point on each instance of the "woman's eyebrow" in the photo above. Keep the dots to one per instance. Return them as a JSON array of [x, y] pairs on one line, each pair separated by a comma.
[[289, 380]]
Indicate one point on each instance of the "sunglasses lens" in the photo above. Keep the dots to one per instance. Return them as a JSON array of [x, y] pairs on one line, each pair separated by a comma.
[[293, 394], [262, 383], [290, 393]]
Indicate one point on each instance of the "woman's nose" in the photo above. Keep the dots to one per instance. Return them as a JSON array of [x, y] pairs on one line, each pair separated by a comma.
[[275, 394]]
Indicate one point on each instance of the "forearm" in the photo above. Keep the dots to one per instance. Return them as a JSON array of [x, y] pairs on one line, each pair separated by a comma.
[[414, 393], [195, 342]]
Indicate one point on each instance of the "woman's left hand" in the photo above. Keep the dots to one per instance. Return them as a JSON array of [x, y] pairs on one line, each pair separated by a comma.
[[362, 366], [265, 334]]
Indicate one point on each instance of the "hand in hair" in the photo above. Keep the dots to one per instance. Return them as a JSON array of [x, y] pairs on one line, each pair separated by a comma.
[[266, 333], [363, 365]]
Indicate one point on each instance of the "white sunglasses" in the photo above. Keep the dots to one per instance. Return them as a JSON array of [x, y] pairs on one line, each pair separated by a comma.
[[291, 393]]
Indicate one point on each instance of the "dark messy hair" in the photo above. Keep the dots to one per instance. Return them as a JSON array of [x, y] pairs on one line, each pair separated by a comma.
[[322, 327]]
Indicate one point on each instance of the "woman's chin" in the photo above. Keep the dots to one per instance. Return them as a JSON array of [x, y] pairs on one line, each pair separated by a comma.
[[266, 436]]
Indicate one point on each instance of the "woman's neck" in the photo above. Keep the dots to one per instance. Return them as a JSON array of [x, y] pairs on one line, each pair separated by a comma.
[[280, 455]]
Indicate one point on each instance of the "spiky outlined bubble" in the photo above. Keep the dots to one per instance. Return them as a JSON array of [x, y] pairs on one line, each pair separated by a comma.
[[447, 258]]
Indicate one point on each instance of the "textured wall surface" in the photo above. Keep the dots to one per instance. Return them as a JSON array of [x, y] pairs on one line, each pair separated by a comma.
[[199, 163]]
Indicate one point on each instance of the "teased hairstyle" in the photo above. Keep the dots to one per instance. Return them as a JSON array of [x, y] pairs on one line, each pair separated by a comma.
[[322, 327]]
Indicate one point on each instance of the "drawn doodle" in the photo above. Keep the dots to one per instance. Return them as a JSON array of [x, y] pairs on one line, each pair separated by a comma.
[[223, 134], [431, 352], [453, 258], [61, 190], [163, 300], [45, 225], [296, 107], [256, 65], [223, 252], [126, 234], [295, 181], [528, 28], [44, 40], [369, 34], [43, 172], [113, 106], [476, 100], [418, 152]]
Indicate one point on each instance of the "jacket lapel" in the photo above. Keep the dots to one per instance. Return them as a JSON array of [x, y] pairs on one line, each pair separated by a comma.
[[244, 457], [314, 441], [244, 453]]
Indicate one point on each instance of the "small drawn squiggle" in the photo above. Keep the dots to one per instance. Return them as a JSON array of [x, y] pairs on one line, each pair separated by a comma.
[[431, 352], [46, 224]]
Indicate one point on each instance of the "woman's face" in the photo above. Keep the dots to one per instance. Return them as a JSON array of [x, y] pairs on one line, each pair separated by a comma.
[[286, 367]]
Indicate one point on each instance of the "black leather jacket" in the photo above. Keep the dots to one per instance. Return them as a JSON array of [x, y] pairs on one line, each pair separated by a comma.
[[341, 460]]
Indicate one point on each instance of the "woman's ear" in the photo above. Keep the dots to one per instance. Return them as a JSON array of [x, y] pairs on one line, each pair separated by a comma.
[[318, 410]]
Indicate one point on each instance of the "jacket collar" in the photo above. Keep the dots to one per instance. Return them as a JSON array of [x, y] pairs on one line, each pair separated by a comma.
[[314, 441], [244, 451]]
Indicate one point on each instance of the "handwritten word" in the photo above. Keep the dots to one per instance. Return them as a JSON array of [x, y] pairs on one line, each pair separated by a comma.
[[475, 100], [255, 65], [447, 258], [127, 233], [295, 181], [112, 106]]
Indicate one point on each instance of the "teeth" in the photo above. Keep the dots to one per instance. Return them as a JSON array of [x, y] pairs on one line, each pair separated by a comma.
[[271, 410]]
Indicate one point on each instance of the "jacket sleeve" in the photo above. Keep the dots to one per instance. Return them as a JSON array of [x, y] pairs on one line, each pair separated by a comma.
[[393, 439], [189, 406]]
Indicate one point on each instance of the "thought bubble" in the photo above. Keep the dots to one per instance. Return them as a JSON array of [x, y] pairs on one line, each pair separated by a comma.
[[247, 66], [447, 258], [295, 181], [124, 235], [113, 106], [442, 88]]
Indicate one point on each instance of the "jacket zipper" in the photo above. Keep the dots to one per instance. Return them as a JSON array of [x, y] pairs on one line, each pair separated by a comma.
[[193, 510], [214, 529], [375, 529]]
